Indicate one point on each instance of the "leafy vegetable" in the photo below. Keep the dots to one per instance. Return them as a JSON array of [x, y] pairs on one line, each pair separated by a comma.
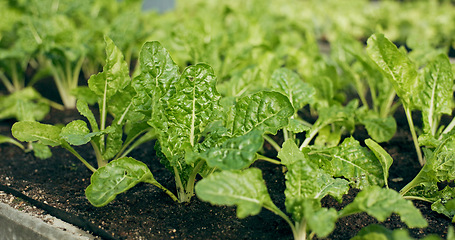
[[114, 93], [401, 71]]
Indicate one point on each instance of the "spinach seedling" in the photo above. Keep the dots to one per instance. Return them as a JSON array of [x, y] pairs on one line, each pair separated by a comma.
[[306, 185], [194, 136], [428, 90], [114, 94]]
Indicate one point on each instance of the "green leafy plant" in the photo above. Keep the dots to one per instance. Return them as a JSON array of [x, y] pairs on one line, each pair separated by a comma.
[[306, 185], [114, 93], [192, 140], [428, 90]]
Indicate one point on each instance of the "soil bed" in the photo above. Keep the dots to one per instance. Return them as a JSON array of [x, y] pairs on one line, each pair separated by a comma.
[[145, 212]]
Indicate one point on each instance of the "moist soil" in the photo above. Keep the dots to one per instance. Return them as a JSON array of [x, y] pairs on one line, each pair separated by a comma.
[[146, 212]]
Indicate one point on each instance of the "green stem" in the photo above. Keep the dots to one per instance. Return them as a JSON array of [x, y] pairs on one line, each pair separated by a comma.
[[272, 142], [6, 82], [414, 135], [301, 232], [270, 160], [416, 198], [312, 134], [191, 180], [71, 150], [387, 106], [99, 157], [448, 128], [179, 185], [157, 184], [146, 137], [278, 212]]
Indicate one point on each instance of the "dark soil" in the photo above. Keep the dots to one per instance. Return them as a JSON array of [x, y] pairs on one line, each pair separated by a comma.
[[145, 212]]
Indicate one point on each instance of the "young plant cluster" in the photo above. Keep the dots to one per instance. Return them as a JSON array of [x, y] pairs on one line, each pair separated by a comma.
[[210, 120]]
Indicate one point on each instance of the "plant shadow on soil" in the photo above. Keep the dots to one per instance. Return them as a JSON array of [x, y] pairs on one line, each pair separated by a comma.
[[145, 212]]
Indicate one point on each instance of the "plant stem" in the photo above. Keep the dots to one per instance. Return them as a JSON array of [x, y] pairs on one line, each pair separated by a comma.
[[99, 156], [270, 160], [448, 128], [192, 178], [157, 184], [71, 150], [416, 198], [414, 135], [278, 212], [6, 82], [272, 142]]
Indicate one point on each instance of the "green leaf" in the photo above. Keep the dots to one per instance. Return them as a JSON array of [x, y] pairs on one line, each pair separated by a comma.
[[322, 221], [297, 126], [113, 141], [158, 73], [265, 111], [245, 189], [357, 164], [289, 83], [236, 153], [115, 75], [304, 180], [381, 203], [384, 158], [445, 203], [396, 66], [77, 133], [28, 131], [435, 98], [116, 177], [24, 105], [378, 232], [440, 165], [41, 151], [5, 139], [84, 110], [380, 129], [186, 109]]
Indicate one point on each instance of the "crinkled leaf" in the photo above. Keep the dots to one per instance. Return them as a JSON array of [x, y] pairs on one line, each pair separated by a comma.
[[380, 129], [384, 158], [265, 111], [357, 164], [304, 180], [440, 166], [290, 84], [158, 73], [381, 203], [116, 177], [435, 98], [186, 109], [121, 106], [77, 133], [84, 110], [296, 126], [29, 131], [236, 153], [245, 189], [445, 203], [396, 66], [115, 75]]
